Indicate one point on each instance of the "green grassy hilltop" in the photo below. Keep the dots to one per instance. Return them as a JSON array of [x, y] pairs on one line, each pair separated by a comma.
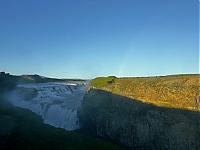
[[176, 91]]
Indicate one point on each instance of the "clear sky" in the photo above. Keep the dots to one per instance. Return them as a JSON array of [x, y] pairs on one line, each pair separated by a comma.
[[89, 38]]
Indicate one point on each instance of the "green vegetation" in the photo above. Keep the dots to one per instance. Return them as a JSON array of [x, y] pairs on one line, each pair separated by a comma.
[[22, 129], [103, 81], [175, 91]]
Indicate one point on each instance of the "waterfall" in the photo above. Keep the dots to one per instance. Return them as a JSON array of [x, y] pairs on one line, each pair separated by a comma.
[[63, 118], [57, 103]]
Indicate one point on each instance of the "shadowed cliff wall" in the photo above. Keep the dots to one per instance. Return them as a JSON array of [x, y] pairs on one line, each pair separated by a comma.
[[138, 125]]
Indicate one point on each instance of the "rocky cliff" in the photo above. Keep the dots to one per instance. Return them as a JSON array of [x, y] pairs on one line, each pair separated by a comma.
[[174, 91], [131, 112]]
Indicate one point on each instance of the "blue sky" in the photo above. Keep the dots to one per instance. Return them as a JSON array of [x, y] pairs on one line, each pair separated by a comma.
[[89, 38]]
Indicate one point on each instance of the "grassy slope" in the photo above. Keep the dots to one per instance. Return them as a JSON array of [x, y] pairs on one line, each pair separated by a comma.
[[176, 91], [22, 129]]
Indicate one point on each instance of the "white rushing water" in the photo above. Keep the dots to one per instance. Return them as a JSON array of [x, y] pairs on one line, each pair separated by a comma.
[[57, 103]]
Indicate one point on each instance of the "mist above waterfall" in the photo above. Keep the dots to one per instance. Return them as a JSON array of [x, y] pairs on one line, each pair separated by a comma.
[[57, 103]]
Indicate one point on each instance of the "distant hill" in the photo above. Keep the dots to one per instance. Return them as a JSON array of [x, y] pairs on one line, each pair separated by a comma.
[[8, 82], [41, 79]]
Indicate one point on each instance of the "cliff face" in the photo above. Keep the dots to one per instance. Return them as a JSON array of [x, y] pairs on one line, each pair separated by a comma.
[[174, 91], [137, 124]]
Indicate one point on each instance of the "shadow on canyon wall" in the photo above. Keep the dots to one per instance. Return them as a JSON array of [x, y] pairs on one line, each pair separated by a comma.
[[137, 125]]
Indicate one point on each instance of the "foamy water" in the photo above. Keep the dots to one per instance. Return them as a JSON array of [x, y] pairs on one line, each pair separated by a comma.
[[57, 103]]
